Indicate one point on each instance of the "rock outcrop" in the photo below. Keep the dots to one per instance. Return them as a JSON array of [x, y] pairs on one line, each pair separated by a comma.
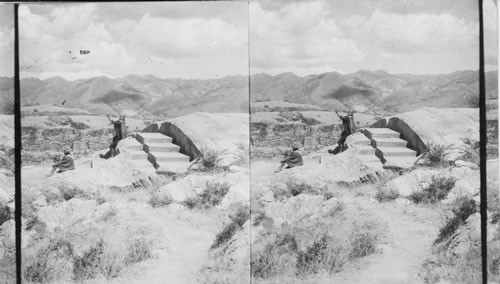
[[448, 127]]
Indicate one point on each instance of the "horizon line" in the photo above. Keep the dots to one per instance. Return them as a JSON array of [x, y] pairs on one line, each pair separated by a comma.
[[239, 75]]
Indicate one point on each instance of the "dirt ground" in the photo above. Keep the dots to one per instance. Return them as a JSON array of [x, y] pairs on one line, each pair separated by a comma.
[[411, 232]]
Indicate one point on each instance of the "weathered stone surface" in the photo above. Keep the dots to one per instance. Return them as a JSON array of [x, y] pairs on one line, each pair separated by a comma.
[[225, 133], [438, 126]]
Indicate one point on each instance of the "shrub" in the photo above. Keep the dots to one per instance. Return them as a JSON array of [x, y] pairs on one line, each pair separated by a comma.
[[97, 261], [275, 257], [139, 249], [237, 221], [50, 263], [156, 200], [435, 155], [363, 243], [210, 160], [296, 187], [225, 235], [70, 191], [336, 210], [311, 259], [384, 195], [436, 191], [212, 195], [464, 207], [471, 154]]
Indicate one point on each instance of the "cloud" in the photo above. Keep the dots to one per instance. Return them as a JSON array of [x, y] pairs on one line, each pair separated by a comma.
[[298, 35], [172, 38], [45, 46], [51, 37], [418, 32]]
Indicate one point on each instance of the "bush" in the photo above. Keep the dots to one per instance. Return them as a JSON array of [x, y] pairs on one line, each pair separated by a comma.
[[437, 190], [327, 253], [97, 261], [156, 200], [311, 259], [70, 191], [210, 160], [383, 195], [471, 154], [435, 155], [237, 221], [275, 257], [464, 207], [296, 187], [363, 243], [50, 263], [139, 249], [212, 195], [225, 235]]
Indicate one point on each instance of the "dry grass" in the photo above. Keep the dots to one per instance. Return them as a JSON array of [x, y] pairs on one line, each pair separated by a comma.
[[384, 195], [436, 191], [158, 200], [237, 221], [57, 261], [288, 255], [212, 196]]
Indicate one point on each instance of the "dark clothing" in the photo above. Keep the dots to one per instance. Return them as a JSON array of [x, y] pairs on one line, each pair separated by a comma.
[[293, 159], [346, 125], [118, 135], [118, 130], [66, 164]]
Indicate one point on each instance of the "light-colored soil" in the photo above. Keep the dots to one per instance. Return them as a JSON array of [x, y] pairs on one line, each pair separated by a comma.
[[181, 238], [411, 230]]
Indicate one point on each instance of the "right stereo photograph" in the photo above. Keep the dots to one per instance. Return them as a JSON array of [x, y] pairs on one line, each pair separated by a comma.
[[365, 141]]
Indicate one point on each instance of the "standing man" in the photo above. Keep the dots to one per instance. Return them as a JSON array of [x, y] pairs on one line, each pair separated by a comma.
[[118, 126], [346, 129]]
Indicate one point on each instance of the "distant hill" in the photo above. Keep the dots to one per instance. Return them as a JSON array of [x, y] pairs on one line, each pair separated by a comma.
[[374, 90], [147, 95]]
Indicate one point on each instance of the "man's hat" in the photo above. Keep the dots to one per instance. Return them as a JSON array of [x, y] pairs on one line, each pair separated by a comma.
[[67, 151]]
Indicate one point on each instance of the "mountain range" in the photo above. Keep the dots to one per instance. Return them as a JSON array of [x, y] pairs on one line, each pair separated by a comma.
[[139, 95], [373, 90], [149, 95]]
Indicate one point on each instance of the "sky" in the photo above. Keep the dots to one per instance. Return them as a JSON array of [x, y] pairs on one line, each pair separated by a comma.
[[404, 36], [167, 40], [212, 39], [6, 40]]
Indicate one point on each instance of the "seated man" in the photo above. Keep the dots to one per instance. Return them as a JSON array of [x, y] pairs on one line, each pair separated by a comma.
[[65, 164], [292, 159]]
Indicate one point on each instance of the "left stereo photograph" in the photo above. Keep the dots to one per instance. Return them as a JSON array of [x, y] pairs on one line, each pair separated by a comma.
[[135, 142], [7, 206]]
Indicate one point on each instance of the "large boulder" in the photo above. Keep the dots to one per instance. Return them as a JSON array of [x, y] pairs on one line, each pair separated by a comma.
[[341, 169], [448, 127], [225, 133]]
